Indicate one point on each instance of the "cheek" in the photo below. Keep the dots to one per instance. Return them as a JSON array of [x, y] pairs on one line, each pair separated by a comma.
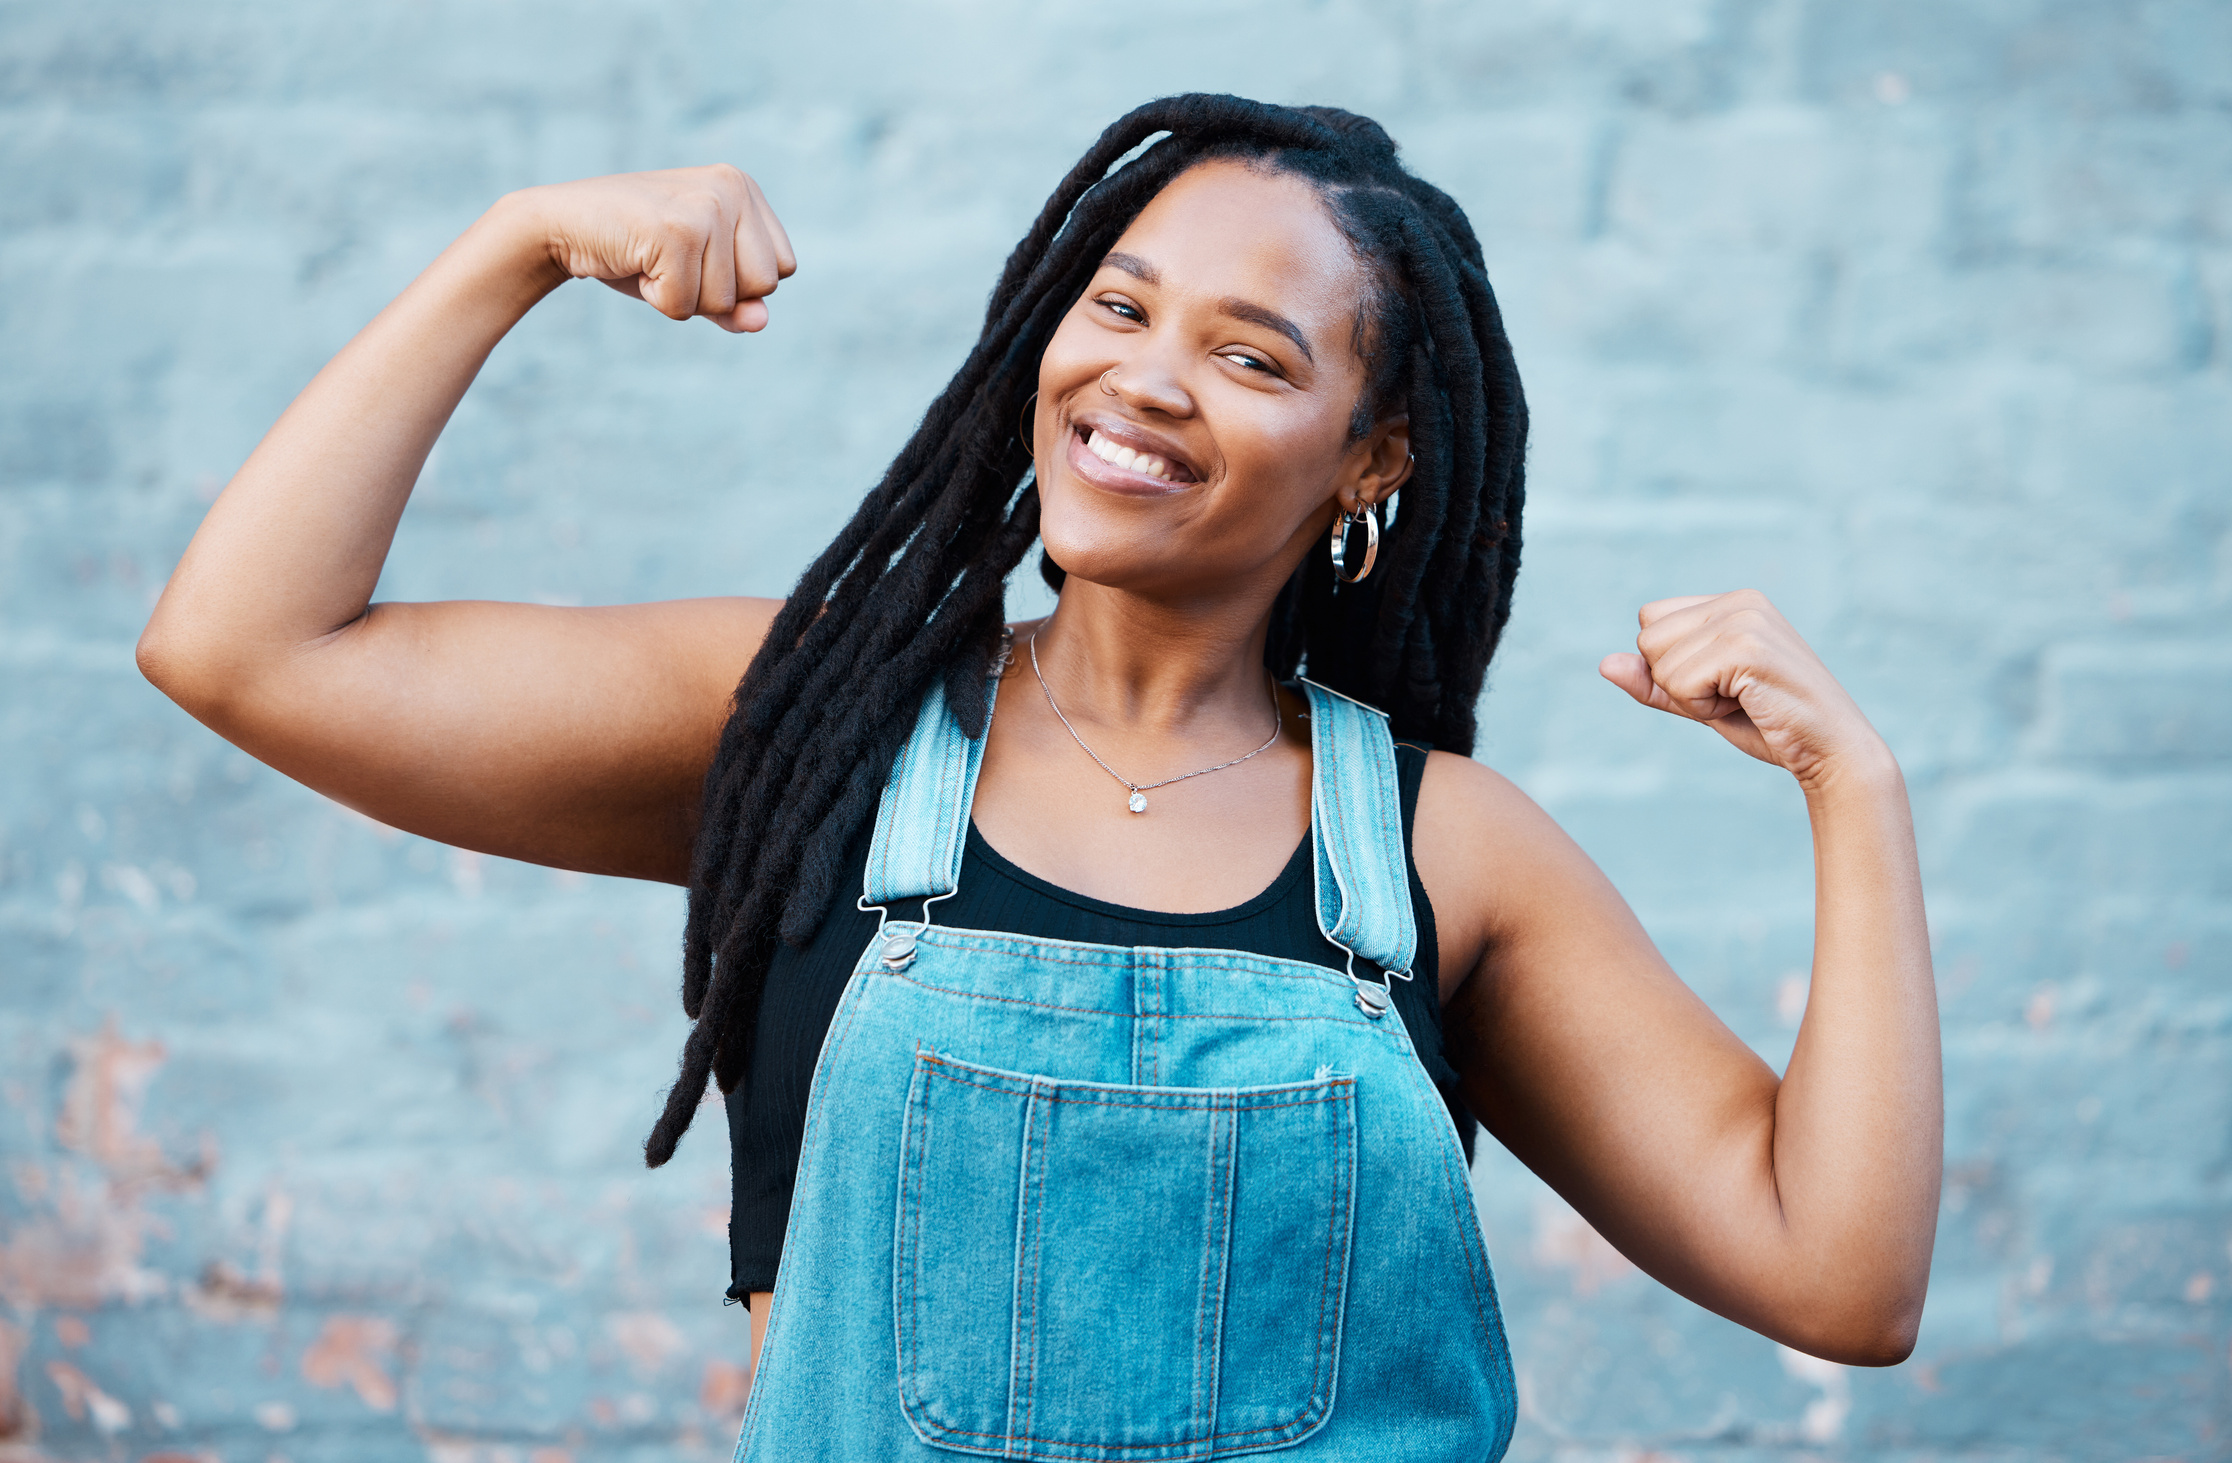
[[1065, 359], [1273, 455], [1276, 482]]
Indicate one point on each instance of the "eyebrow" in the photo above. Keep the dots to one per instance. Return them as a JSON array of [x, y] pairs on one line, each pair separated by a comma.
[[1231, 306], [1269, 319]]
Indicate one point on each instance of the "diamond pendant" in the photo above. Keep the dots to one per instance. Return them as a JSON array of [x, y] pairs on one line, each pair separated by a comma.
[[1138, 803]]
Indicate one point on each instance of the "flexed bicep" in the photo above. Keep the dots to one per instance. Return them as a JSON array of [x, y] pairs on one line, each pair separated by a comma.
[[576, 738], [573, 737], [1790, 1205]]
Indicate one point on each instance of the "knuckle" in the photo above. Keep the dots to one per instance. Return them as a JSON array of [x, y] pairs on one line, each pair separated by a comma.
[[699, 217], [1752, 625]]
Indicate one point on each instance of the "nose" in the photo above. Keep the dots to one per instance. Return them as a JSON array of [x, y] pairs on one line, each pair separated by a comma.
[[1147, 382]]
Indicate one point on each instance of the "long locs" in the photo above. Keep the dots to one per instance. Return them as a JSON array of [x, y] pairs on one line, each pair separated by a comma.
[[911, 590]]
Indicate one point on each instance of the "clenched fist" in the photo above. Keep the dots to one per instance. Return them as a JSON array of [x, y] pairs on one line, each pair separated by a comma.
[[1733, 662], [687, 241]]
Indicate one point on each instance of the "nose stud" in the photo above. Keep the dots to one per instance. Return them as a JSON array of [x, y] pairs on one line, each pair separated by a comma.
[[1104, 380]]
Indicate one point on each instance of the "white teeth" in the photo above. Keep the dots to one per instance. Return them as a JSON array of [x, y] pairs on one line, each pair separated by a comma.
[[1121, 456]]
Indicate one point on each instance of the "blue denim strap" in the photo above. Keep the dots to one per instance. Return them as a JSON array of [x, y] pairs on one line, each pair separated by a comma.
[[1356, 816], [1356, 819], [923, 820]]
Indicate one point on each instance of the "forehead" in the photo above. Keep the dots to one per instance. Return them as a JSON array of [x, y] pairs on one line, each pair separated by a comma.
[[1226, 230]]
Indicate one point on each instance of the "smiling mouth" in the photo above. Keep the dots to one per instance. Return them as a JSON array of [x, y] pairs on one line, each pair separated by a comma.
[[1116, 454]]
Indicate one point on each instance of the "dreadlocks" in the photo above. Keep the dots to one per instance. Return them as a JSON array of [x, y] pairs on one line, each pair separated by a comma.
[[910, 593]]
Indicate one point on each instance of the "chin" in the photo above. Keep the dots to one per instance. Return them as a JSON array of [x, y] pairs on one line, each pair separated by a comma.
[[1115, 558], [1100, 541]]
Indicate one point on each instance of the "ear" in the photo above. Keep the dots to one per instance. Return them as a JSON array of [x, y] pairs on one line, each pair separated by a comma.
[[1377, 465]]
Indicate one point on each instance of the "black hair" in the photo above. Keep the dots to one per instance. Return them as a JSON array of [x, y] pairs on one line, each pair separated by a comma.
[[911, 592]]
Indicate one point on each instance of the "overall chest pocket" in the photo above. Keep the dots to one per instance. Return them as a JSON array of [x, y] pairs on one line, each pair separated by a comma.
[[1120, 1274]]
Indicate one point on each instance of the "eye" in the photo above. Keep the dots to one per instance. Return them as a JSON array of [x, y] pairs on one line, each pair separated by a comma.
[[1123, 308], [1249, 361]]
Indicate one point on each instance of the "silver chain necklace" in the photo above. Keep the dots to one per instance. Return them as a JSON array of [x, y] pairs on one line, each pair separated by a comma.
[[1139, 790]]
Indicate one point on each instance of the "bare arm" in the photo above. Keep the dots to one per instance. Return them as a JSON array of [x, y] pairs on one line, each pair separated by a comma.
[[562, 736], [1803, 1207]]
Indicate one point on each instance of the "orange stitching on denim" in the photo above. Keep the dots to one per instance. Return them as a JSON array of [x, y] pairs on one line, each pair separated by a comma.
[[1325, 1283], [1193, 1408], [1154, 1040], [916, 1206], [1182, 1106], [1463, 1212], [963, 1432], [921, 1207], [1038, 1255], [1201, 1307], [953, 773], [1227, 961], [900, 780], [1340, 832], [1352, 920], [1180, 1094], [1023, 1309], [932, 1065], [1337, 1017], [1154, 1033]]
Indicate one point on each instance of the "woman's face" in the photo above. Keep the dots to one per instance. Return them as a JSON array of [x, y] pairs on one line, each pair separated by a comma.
[[1224, 322]]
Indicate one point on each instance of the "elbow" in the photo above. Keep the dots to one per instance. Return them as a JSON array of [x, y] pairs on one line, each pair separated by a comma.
[[1870, 1335], [175, 667], [1886, 1347], [161, 659], [1902, 1329], [157, 656]]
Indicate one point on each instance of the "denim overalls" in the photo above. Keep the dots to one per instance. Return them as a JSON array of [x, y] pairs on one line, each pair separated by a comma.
[[1130, 1205]]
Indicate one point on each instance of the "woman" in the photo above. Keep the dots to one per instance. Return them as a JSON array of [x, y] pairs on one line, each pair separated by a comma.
[[1082, 1059]]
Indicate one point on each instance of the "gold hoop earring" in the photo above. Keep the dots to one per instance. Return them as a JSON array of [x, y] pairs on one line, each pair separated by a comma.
[[1104, 380], [1023, 425], [1339, 545]]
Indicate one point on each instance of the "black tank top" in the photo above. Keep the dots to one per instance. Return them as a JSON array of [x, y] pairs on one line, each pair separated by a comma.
[[767, 1112]]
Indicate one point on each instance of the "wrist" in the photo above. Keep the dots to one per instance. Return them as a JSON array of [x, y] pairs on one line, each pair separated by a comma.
[[508, 253], [1864, 769]]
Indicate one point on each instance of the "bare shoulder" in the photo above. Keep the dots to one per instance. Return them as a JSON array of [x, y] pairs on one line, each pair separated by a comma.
[[1457, 789], [1491, 860], [1474, 822]]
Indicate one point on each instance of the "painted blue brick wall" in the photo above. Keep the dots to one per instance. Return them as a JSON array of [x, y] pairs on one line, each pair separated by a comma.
[[321, 1139]]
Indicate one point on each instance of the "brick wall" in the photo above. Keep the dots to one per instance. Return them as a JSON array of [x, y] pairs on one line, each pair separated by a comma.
[[321, 1139]]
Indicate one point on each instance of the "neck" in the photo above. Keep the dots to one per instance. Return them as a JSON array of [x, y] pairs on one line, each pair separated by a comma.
[[1152, 666]]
